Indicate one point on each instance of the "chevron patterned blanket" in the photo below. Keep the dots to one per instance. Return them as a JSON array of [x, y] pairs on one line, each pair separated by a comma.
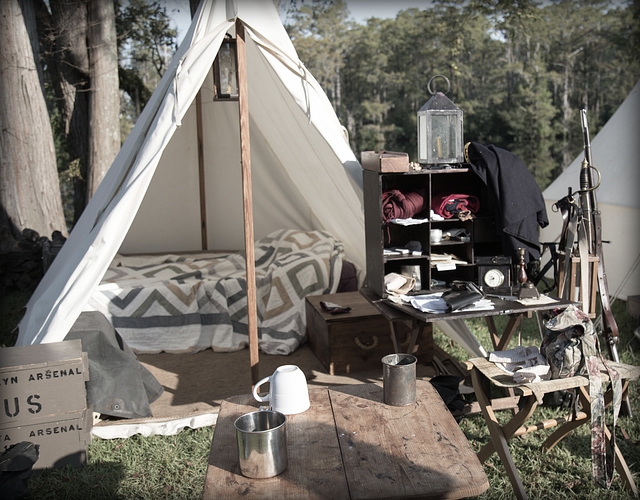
[[187, 303]]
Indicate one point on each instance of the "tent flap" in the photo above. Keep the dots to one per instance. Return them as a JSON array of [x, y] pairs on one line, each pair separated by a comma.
[[305, 176]]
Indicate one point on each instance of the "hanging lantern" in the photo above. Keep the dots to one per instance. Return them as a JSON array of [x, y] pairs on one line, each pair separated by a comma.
[[439, 129], [225, 70]]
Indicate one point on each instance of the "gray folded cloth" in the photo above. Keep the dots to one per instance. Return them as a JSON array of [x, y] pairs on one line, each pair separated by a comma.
[[525, 364]]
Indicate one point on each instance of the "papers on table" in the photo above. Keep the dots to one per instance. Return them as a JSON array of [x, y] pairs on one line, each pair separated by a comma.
[[431, 303], [537, 301], [435, 304]]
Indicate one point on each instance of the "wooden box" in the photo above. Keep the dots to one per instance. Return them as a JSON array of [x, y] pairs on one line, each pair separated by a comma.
[[62, 440], [42, 381], [385, 161], [354, 341], [44, 401]]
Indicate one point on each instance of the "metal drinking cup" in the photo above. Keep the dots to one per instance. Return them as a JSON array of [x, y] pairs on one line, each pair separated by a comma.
[[399, 379], [262, 443]]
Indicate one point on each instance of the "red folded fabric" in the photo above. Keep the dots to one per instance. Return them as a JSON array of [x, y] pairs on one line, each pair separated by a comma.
[[399, 205], [448, 205]]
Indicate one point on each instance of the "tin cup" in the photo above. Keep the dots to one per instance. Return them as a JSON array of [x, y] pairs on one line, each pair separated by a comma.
[[262, 443], [399, 379]]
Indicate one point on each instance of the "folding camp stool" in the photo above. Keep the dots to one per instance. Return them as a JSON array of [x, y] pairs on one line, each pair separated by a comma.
[[485, 373]]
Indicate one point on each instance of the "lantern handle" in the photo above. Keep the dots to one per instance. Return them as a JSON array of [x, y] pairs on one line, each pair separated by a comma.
[[433, 78]]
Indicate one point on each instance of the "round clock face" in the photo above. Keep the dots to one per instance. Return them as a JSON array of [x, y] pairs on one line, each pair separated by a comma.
[[493, 278]]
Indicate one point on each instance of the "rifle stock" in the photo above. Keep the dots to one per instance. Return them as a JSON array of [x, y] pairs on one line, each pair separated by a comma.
[[588, 191]]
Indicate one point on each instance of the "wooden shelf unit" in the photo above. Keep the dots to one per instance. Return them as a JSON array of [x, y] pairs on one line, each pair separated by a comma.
[[379, 235]]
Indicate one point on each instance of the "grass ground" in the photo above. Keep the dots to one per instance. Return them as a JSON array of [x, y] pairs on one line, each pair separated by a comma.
[[174, 467]]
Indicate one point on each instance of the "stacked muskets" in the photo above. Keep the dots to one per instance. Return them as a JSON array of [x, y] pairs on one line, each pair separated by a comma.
[[582, 224]]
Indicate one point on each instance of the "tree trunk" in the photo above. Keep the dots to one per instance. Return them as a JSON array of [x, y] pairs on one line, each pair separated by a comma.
[[104, 102], [64, 33], [29, 186]]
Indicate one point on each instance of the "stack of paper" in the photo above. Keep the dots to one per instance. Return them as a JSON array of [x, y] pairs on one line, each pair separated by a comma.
[[446, 258], [435, 304]]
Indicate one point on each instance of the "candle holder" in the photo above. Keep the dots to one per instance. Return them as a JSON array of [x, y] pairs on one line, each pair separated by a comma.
[[527, 289]]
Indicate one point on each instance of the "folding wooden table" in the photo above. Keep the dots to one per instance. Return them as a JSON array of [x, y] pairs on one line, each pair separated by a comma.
[[350, 445], [422, 322]]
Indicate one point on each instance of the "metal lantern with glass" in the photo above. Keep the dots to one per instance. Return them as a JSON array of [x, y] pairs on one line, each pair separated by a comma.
[[225, 70], [439, 130]]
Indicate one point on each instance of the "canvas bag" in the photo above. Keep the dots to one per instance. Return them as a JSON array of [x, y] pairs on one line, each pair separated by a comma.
[[571, 347]]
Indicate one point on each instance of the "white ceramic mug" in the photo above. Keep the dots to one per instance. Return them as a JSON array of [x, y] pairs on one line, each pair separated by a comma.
[[288, 391], [436, 236]]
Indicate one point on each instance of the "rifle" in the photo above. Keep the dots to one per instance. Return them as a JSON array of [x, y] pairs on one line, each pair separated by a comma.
[[588, 191]]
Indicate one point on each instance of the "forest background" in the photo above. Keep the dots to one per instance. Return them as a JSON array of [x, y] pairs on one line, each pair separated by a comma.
[[520, 71]]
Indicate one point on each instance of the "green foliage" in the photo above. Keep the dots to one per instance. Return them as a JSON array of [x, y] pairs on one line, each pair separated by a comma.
[[146, 43], [520, 71], [138, 467], [320, 31]]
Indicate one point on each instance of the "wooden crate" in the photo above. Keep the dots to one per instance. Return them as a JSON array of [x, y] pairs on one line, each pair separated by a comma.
[[385, 161], [354, 341], [62, 440], [42, 381], [44, 401]]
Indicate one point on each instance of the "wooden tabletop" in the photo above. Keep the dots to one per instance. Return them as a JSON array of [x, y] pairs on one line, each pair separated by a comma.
[[395, 312], [349, 444]]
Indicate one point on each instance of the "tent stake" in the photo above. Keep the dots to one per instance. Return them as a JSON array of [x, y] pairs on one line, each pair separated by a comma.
[[243, 102]]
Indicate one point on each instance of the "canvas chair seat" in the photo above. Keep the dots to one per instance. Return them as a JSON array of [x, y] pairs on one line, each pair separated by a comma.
[[485, 374]]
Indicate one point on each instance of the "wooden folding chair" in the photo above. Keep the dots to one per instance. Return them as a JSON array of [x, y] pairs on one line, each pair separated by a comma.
[[484, 374]]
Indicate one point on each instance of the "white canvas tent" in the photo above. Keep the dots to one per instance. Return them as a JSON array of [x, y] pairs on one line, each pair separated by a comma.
[[305, 176], [615, 152]]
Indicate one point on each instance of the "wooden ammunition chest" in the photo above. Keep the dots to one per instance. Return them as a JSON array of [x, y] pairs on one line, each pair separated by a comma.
[[62, 440], [43, 396], [354, 341]]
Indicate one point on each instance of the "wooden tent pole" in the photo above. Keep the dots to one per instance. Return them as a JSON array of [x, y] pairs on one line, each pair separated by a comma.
[[193, 4], [201, 179], [247, 196]]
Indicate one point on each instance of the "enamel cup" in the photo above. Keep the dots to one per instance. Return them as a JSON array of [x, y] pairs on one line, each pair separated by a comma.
[[288, 392]]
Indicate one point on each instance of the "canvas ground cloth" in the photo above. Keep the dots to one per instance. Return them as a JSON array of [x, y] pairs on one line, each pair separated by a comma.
[[196, 384]]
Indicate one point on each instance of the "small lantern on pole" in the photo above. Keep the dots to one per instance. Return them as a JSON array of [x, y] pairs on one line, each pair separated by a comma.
[[439, 129], [225, 70]]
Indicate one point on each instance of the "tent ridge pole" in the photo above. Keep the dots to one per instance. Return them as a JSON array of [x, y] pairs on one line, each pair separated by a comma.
[[243, 102]]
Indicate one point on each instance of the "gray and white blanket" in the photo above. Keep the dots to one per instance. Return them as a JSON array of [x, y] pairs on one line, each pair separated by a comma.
[[180, 303]]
